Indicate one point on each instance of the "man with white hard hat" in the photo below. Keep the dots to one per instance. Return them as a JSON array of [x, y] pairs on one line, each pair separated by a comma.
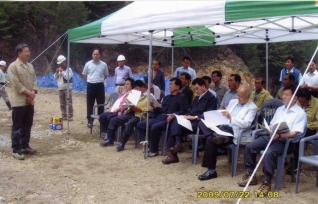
[[3, 93], [64, 75], [122, 72]]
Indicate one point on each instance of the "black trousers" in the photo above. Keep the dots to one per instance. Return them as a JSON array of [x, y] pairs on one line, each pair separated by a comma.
[[156, 126], [269, 163], [22, 121], [104, 119], [176, 131], [94, 92], [118, 121], [211, 149]]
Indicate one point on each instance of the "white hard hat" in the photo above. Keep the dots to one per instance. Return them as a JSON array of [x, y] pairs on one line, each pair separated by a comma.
[[3, 63], [121, 58], [60, 59]]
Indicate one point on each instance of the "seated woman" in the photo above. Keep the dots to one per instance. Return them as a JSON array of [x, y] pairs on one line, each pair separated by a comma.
[[112, 112]]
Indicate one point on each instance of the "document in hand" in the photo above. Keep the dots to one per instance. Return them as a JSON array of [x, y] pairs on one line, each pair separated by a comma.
[[215, 117], [184, 122], [134, 96], [216, 129], [154, 100], [117, 103], [283, 128]]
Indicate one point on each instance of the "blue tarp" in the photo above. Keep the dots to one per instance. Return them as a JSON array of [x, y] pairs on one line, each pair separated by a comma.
[[80, 84]]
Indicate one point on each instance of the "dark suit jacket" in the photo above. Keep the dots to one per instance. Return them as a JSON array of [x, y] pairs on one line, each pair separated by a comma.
[[206, 103], [178, 105], [187, 91], [159, 80]]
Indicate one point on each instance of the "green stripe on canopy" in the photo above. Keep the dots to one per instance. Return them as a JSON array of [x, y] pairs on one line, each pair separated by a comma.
[[87, 31], [260, 9], [194, 36]]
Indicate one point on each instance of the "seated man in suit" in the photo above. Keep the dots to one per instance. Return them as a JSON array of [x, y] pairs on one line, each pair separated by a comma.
[[296, 120], [176, 102], [205, 101], [186, 89], [131, 117], [241, 113]]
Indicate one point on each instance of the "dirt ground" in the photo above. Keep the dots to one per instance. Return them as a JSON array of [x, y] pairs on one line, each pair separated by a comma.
[[73, 168]]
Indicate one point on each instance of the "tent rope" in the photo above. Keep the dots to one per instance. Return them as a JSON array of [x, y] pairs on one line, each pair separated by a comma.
[[49, 66], [48, 47]]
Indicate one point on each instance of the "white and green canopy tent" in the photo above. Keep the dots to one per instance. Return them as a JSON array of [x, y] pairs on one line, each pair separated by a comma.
[[202, 23]]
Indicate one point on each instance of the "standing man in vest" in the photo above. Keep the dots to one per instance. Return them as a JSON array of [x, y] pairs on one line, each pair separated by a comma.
[[3, 93], [95, 71], [122, 72], [289, 63], [23, 79], [62, 75], [185, 68]]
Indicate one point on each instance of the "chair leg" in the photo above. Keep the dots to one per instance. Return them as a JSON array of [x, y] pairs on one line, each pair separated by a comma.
[[164, 142], [279, 172], [194, 148], [297, 177], [235, 154], [293, 169]]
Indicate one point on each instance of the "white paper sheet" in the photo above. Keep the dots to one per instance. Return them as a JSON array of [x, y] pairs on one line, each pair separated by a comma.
[[134, 96], [117, 103], [184, 122], [215, 117], [216, 129], [154, 100]]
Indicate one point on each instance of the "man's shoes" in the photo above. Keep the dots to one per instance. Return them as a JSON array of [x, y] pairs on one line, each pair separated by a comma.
[[107, 143], [289, 170], [245, 179], [70, 119], [89, 125], [170, 159], [220, 140], [177, 148], [263, 189], [201, 148], [29, 150], [120, 147], [208, 175], [18, 155], [153, 154]]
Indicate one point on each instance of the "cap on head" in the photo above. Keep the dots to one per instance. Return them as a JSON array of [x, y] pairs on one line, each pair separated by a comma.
[[3, 63], [60, 59], [121, 58]]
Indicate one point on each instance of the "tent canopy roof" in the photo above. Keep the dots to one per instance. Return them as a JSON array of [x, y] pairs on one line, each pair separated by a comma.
[[203, 23]]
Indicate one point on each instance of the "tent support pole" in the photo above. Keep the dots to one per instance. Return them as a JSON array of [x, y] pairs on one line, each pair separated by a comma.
[[145, 145], [267, 65], [68, 91], [172, 58]]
